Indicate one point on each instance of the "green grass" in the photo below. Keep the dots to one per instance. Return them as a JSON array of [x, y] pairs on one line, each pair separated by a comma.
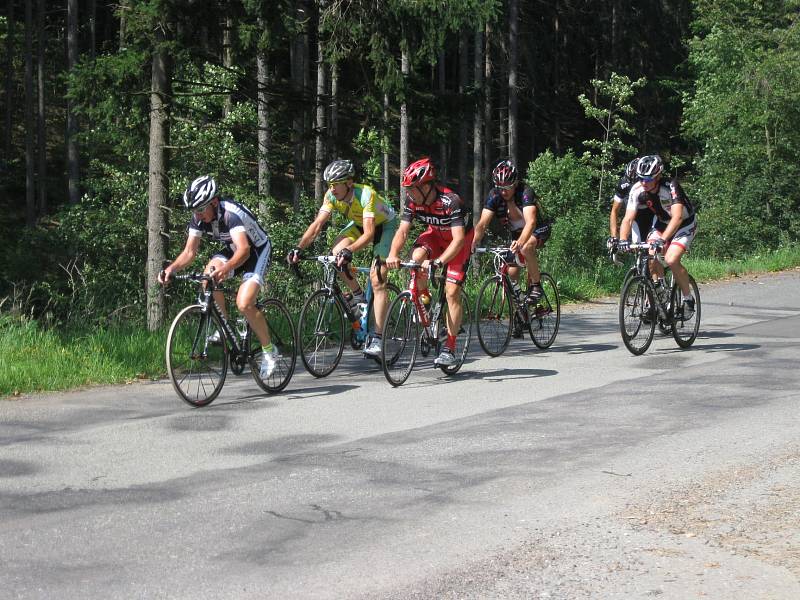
[[34, 358]]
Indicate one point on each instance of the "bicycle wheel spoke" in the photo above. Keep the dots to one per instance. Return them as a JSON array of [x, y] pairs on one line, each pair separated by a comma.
[[400, 340], [637, 316], [493, 316], [545, 314], [322, 327]]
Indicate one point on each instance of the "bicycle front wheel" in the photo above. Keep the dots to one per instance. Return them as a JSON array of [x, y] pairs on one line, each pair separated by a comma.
[[637, 315], [462, 337], [493, 316], [400, 340], [321, 333], [545, 315], [685, 328], [282, 336], [197, 366]]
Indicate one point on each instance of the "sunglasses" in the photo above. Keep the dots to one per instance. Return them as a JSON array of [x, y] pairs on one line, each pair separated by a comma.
[[648, 179], [506, 187]]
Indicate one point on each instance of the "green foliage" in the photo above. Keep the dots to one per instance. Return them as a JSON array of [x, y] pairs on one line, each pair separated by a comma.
[[371, 143], [566, 190], [744, 113]]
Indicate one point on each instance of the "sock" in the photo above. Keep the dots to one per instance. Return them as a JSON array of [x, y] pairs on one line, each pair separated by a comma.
[[268, 348], [451, 343]]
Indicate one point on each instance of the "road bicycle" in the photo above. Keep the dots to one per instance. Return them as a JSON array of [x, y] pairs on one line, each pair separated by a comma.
[[202, 344], [327, 316], [499, 308], [643, 305], [413, 327]]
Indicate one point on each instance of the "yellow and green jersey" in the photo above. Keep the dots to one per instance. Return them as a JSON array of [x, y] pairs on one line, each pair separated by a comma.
[[365, 202]]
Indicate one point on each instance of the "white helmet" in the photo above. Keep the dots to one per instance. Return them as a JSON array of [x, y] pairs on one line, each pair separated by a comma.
[[200, 192], [339, 170]]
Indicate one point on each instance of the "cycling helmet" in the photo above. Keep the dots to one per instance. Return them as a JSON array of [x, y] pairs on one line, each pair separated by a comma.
[[504, 173], [200, 192], [649, 167], [339, 170], [421, 171], [630, 170]]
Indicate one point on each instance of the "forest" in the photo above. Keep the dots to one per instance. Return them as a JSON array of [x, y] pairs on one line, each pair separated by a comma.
[[111, 108]]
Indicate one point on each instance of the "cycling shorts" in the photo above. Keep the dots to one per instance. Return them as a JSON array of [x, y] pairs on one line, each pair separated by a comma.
[[683, 237], [256, 266], [382, 240], [435, 244]]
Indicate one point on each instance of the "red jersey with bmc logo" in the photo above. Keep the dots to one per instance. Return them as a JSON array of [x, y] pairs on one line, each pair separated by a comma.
[[446, 211]]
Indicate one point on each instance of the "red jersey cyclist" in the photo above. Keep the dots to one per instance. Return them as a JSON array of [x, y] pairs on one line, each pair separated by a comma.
[[445, 241]]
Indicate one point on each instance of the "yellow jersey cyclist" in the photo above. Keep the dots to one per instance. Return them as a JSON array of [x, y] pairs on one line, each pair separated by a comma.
[[372, 220]]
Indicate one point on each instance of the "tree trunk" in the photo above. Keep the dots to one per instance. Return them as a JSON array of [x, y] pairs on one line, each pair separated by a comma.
[[158, 184], [386, 141], [333, 136], [463, 83], [442, 85], [41, 121], [264, 133], [123, 22], [30, 183], [92, 29], [8, 136], [513, 91], [227, 56], [488, 147], [477, 154], [73, 153], [319, 123], [297, 61], [405, 68]]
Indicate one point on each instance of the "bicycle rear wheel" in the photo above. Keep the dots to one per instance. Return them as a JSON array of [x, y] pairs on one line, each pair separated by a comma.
[[400, 340], [321, 333], [545, 315], [637, 315], [493, 316], [462, 338], [197, 367], [282, 336], [685, 330]]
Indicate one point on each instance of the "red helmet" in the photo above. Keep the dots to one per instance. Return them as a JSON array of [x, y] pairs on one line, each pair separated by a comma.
[[421, 171], [504, 173]]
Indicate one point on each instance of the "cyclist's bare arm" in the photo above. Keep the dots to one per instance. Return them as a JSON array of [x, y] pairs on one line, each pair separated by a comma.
[[366, 238], [627, 224], [613, 218], [529, 212], [480, 227], [313, 230], [183, 260], [455, 245], [399, 240], [240, 255], [676, 218]]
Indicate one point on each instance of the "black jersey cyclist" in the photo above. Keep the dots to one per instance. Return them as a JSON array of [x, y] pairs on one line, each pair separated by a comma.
[[518, 209], [246, 251], [675, 223], [643, 221]]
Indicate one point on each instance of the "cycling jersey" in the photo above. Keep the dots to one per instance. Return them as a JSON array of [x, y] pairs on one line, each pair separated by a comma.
[[661, 200], [365, 202], [445, 212], [231, 217], [624, 186], [511, 216]]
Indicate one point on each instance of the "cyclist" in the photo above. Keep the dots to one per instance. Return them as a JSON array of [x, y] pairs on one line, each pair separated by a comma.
[[518, 209], [246, 252], [674, 225], [372, 221], [643, 221], [447, 240]]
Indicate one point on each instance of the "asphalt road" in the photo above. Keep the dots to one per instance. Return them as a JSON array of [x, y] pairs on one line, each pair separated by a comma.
[[580, 472]]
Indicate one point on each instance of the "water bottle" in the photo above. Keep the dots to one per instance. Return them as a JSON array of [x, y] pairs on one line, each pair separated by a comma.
[[425, 301], [516, 290], [241, 327]]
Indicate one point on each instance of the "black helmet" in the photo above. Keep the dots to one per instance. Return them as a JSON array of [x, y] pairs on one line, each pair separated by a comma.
[[649, 167], [200, 192], [339, 170], [504, 173], [630, 170]]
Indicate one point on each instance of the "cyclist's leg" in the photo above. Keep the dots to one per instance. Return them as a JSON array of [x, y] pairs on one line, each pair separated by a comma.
[[426, 247], [346, 237], [656, 270], [678, 246], [456, 273], [532, 260], [216, 262], [380, 297], [254, 271]]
